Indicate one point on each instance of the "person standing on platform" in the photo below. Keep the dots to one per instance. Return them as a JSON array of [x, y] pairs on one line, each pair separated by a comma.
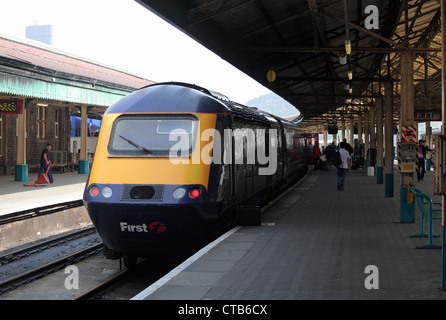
[[45, 162], [330, 151], [344, 166], [348, 147], [421, 157], [358, 154], [317, 156]]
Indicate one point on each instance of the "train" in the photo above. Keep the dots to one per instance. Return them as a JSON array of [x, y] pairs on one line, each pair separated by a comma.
[[175, 164]]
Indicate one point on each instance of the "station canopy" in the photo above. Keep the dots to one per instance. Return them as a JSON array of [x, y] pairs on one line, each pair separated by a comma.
[[303, 43], [35, 71]]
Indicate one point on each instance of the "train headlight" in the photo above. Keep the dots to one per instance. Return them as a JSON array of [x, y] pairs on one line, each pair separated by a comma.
[[94, 191], [178, 193], [107, 192]]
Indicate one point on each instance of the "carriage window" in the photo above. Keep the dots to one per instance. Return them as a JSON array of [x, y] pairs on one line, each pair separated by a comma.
[[152, 135]]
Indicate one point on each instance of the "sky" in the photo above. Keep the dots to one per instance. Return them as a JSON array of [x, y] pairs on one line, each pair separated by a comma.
[[125, 35]]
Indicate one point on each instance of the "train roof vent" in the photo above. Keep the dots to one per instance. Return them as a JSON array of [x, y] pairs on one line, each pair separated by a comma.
[[249, 114], [219, 96]]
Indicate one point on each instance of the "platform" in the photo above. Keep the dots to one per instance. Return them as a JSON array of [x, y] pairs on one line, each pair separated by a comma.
[[15, 197], [315, 243]]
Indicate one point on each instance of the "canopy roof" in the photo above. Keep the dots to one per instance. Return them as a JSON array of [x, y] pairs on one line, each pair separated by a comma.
[[302, 40], [30, 69]]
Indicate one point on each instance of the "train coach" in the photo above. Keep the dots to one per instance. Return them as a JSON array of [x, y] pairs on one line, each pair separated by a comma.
[[175, 164]]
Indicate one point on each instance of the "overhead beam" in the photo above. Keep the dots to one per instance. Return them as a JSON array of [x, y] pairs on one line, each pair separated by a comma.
[[336, 79], [342, 95], [319, 34], [295, 49], [216, 13], [364, 30]]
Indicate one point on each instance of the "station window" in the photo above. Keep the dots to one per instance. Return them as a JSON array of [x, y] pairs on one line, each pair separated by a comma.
[[41, 122], [56, 123]]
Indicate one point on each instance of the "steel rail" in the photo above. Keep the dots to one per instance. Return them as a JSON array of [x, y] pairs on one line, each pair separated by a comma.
[[39, 272], [103, 286], [11, 255]]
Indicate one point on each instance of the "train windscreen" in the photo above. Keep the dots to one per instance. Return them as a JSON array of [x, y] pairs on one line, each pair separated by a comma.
[[155, 135]]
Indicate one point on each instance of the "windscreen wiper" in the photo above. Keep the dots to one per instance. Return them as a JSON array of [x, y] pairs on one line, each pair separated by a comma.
[[136, 145]]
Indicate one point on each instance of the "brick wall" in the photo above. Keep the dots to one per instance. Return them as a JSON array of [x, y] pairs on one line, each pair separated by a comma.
[[35, 144]]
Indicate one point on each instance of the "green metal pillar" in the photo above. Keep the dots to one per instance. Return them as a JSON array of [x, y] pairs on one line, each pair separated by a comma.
[[443, 257], [83, 162], [84, 167], [379, 140], [388, 185], [407, 212], [366, 138], [21, 168], [443, 131], [360, 127], [379, 175], [388, 107]]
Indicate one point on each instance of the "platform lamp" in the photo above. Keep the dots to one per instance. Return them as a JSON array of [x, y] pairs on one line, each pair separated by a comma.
[[348, 50], [348, 47], [348, 87], [350, 75], [271, 75]]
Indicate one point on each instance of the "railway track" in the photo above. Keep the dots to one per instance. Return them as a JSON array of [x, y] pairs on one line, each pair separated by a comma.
[[97, 291], [21, 266], [28, 263], [28, 271], [21, 252]]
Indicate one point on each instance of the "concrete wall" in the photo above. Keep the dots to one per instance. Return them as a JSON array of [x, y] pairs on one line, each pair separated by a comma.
[[33, 229]]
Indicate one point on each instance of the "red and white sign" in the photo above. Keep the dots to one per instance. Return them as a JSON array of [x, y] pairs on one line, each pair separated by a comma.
[[409, 134]]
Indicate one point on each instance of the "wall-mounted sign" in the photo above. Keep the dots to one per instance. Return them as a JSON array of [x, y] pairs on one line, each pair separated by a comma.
[[427, 115], [409, 134], [11, 106], [407, 156]]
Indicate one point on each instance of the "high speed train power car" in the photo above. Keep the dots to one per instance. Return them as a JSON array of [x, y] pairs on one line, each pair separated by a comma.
[[175, 162]]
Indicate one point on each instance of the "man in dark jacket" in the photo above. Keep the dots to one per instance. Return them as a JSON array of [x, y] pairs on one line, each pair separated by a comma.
[[421, 157], [348, 147], [329, 151], [45, 162]]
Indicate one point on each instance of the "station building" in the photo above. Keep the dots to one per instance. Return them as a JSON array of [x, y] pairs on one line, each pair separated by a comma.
[[40, 89]]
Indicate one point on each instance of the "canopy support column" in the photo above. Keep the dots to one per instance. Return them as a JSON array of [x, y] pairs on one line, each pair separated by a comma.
[[21, 168], [84, 167]]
